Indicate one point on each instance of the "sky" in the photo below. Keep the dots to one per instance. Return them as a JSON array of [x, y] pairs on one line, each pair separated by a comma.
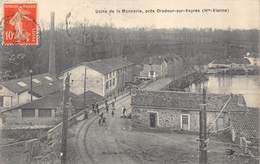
[[242, 14]]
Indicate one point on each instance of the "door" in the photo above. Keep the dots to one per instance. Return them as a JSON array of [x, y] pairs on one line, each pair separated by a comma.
[[152, 120], [185, 122]]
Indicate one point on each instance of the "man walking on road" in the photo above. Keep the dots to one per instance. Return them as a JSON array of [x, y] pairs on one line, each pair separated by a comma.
[[93, 108], [97, 109], [124, 112], [113, 109], [107, 107]]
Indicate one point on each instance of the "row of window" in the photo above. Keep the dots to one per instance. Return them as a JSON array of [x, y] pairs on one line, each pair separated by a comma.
[[110, 83], [111, 74], [30, 113]]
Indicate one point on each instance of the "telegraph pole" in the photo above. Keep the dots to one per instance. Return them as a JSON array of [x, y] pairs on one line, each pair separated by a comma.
[[203, 158], [85, 79], [65, 120], [30, 71]]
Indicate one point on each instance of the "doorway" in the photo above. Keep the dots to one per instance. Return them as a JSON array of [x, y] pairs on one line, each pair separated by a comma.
[[185, 121], [153, 117]]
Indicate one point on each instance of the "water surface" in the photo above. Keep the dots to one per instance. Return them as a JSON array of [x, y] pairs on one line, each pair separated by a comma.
[[249, 86]]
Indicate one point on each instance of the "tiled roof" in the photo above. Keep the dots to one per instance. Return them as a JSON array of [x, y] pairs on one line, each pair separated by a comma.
[[13, 85], [180, 100], [54, 100], [238, 104], [43, 90], [50, 101], [105, 66], [246, 123]]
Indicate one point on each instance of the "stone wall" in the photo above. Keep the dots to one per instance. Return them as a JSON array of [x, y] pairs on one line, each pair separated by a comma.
[[171, 119], [23, 134]]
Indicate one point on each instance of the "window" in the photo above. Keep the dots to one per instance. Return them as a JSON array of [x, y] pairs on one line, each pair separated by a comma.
[[48, 78], [114, 81], [110, 83], [22, 84], [28, 113], [36, 81], [107, 85], [44, 112]]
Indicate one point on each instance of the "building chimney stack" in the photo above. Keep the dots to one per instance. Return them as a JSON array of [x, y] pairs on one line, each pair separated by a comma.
[[52, 65]]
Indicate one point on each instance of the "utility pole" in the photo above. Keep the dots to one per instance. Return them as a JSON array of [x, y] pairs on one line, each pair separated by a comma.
[[30, 71], [203, 159], [65, 120], [85, 80]]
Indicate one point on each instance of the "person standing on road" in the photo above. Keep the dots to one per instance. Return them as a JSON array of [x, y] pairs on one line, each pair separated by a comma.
[[107, 106], [124, 112], [101, 116], [97, 108], [93, 108], [113, 109]]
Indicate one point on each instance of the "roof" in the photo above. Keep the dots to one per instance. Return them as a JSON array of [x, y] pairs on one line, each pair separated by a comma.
[[43, 90], [246, 123], [181, 100], [54, 100], [232, 60], [13, 85], [50, 101], [91, 98], [108, 65]]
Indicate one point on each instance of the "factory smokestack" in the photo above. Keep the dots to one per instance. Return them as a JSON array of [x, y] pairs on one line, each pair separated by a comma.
[[52, 65]]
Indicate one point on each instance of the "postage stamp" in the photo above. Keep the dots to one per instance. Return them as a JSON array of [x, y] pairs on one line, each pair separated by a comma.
[[20, 24]]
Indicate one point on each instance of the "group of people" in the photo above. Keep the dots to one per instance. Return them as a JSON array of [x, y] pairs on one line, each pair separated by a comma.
[[95, 108], [112, 108], [102, 118]]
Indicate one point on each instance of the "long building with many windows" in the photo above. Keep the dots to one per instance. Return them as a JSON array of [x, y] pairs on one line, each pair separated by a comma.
[[106, 77]]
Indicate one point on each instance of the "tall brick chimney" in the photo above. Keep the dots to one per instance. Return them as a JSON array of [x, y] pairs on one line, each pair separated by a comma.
[[52, 64]]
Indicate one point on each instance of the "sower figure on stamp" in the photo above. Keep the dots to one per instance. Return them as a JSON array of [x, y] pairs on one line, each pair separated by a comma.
[[16, 21]]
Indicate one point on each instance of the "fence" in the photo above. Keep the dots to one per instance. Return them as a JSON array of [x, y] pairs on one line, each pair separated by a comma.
[[20, 152]]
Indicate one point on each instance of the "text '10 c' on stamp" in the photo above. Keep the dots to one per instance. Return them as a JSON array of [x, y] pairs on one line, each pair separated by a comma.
[[20, 24]]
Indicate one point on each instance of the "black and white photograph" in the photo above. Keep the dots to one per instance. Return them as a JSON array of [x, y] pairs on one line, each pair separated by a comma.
[[129, 81]]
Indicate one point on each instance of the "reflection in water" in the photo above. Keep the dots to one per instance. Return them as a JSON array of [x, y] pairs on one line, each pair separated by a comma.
[[249, 86]]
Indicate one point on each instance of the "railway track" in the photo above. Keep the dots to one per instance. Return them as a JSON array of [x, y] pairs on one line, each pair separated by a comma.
[[82, 131]]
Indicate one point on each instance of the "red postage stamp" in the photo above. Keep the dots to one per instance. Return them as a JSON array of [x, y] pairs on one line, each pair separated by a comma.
[[20, 24]]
